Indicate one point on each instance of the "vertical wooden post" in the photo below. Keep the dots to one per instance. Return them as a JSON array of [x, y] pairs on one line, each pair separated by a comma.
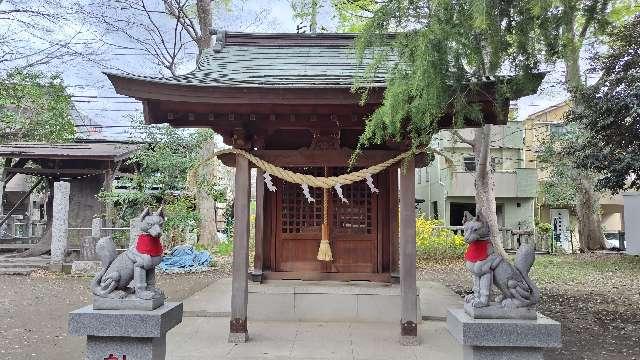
[[394, 223], [239, 285], [408, 290], [256, 275]]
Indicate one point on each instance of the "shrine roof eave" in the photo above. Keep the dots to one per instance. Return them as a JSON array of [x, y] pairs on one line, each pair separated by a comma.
[[156, 89]]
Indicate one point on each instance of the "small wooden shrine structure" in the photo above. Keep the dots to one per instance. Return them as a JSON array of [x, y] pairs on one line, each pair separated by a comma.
[[286, 98], [88, 167]]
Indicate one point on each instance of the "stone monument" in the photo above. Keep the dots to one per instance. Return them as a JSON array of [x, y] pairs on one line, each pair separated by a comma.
[[129, 316], [509, 327]]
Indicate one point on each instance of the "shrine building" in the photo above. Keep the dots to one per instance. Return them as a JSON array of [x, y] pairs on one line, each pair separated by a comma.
[[287, 99]]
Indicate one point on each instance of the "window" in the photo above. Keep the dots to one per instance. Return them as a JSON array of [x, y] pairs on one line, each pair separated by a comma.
[[558, 129], [419, 175], [469, 163], [434, 207]]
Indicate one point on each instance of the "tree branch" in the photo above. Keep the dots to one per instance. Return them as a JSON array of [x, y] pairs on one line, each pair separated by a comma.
[[462, 138]]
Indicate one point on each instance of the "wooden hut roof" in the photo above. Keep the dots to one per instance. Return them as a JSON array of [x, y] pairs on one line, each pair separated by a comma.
[[107, 151]]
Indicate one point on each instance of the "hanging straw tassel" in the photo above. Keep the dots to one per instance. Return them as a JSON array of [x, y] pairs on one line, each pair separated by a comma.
[[324, 251]]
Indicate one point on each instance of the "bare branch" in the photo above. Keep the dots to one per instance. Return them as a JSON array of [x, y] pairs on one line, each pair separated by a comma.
[[462, 138]]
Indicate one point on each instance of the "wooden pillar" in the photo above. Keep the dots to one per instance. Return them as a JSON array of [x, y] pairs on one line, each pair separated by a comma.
[[256, 275], [239, 285], [408, 290], [394, 224]]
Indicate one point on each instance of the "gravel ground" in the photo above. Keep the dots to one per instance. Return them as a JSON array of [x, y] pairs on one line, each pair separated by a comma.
[[33, 310], [596, 297]]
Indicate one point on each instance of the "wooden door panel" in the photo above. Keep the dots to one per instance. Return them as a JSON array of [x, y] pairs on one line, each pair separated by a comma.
[[353, 228]]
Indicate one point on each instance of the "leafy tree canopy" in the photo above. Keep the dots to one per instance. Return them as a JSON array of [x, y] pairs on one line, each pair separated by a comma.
[[607, 114], [443, 46], [34, 107]]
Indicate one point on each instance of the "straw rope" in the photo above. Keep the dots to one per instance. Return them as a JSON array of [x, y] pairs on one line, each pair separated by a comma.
[[326, 182]]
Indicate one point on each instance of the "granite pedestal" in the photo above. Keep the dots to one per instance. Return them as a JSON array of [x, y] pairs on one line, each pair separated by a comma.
[[138, 334], [503, 339]]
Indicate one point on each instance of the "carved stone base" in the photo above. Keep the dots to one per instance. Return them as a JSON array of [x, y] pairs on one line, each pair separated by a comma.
[[503, 339], [140, 335], [497, 311], [131, 302]]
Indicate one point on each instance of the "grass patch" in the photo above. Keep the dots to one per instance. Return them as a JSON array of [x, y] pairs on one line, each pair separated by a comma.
[[583, 268]]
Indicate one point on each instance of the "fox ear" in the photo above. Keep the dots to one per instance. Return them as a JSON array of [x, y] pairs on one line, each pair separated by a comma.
[[144, 213], [466, 217], [160, 212]]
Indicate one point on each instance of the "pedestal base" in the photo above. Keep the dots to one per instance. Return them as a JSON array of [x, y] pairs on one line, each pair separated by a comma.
[[497, 311], [131, 302], [101, 347], [502, 339], [502, 353], [138, 334]]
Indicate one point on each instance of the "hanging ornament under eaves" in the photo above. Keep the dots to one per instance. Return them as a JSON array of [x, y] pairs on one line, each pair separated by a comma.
[[338, 188], [269, 182], [370, 183], [307, 194]]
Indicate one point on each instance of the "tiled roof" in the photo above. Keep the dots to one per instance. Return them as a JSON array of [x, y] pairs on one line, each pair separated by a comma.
[[275, 60]]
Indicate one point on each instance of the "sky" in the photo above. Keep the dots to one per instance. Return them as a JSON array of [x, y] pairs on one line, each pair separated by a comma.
[[95, 98]]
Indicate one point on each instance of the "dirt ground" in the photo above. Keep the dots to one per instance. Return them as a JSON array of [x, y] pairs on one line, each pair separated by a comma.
[[33, 310], [596, 298]]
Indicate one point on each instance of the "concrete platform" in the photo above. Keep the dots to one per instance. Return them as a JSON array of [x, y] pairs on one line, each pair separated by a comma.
[[322, 301], [206, 338]]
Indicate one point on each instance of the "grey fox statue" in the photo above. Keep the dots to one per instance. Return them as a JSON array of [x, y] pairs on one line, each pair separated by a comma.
[[489, 268], [135, 266]]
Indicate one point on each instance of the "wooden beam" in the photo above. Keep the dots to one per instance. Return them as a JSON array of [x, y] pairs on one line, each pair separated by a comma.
[[39, 171], [256, 275], [240, 267], [408, 288]]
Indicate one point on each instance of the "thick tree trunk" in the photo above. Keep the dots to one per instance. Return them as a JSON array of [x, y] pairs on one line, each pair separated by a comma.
[[587, 205], [485, 184], [205, 21], [208, 234]]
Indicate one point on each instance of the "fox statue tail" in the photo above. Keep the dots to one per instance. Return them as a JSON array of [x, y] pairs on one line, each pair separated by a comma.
[[106, 251], [525, 256]]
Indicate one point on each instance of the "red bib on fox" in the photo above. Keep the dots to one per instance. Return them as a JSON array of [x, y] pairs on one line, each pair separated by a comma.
[[149, 245], [477, 251]]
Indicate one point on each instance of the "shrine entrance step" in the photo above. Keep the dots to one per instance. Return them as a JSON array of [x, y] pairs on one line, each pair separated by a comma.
[[353, 301]]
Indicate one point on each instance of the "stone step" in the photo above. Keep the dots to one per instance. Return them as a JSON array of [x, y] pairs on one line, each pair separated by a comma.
[[16, 271], [22, 265]]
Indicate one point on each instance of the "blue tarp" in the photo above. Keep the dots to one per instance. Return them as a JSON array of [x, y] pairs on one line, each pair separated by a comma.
[[184, 258]]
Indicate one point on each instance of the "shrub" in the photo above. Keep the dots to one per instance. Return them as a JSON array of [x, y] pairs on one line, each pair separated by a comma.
[[435, 241]]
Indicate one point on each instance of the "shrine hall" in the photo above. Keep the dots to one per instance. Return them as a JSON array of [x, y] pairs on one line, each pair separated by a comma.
[[287, 99]]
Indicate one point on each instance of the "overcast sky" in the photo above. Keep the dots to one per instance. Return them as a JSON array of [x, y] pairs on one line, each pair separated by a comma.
[[95, 98]]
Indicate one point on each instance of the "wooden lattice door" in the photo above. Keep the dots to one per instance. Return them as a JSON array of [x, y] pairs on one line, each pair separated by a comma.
[[353, 228]]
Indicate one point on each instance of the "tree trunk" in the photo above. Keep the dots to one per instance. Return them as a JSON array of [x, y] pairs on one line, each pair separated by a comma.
[[587, 200], [485, 184], [44, 245], [208, 234], [587, 206], [205, 21]]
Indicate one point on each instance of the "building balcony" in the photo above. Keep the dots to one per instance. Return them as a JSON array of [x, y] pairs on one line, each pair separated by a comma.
[[520, 183]]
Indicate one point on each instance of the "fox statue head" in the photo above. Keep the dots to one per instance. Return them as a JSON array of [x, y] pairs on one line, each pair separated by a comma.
[[151, 223], [475, 227]]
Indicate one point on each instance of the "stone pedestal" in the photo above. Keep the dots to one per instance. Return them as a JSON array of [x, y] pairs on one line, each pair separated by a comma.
[[503, 339], [631, 223], [138, 334]]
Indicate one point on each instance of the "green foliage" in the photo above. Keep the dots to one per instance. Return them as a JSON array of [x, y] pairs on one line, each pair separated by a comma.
[[435, 241], [544, 228], [224, 248], [608, 116], [162, 167], [34, 107], [433, 63]]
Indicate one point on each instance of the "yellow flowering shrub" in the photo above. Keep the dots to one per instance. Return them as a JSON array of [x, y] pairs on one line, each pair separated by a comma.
[[435, 241]]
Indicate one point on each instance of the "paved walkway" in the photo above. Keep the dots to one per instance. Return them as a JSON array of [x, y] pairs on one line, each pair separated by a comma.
[[204, 331], [206, 338]]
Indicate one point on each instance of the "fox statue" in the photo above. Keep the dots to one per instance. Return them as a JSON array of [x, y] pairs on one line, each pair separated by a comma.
[[135, 266], [489, 268]]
